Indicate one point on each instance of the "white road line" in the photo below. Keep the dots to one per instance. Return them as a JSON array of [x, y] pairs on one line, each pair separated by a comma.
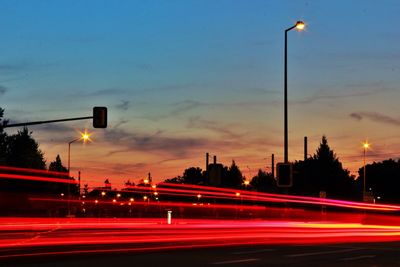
[[253, 251], [320, 253], [358, 258], [234, 261]]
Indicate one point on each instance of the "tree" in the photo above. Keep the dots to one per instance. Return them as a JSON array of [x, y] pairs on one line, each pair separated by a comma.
[[323, 172], [193, 175], [264, 182], [175, 180], [85, 189], [107, 184], [232, 177], [23, 151], [3, 139], [383, 178], [57, 165], [128, 183]]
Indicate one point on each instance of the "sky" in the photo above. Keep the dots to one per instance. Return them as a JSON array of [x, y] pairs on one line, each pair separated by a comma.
[[184, 77]]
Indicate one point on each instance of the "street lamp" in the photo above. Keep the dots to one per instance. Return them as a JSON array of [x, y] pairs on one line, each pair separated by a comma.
[[85, 137], [299, 26], [366, 146]]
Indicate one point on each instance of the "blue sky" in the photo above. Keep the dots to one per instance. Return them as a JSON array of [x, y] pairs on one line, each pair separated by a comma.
[[181, 78]]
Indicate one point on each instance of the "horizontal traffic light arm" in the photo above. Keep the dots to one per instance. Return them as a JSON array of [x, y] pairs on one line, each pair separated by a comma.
[[43, 122]]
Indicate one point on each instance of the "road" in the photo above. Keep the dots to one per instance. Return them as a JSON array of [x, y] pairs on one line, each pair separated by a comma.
[[365, 254]]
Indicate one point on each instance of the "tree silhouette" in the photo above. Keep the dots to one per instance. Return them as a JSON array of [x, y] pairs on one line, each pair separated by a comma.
[[23, 151], [323, 172], [383, 178], [57, 165], [232, 177], [128, 183], [3, 139], [192, 175], [264, 182], [175, 180], [85, 189]]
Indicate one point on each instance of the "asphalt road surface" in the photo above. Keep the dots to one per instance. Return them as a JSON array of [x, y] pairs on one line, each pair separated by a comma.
[[362, 254]]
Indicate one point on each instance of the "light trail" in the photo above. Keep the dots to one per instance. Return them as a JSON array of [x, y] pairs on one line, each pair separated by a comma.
[[62, 236], [164, 204], [250, 195], [37, 178], [205, 191], [35, 175]]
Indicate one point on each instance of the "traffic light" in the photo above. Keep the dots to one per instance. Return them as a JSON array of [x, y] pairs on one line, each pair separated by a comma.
[[285, 174], [100, 117]]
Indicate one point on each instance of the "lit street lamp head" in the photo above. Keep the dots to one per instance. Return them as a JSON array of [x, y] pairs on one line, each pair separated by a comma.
[[300, 25], [85, 136], [366, 145]]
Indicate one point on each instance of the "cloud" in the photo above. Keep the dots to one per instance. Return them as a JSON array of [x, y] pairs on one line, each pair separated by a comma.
[[218, 127], [104, 92], [14, 67], [124, 105], [3, 90], [376, 117], [152, 142], [259, 90], [356, 116], [185, 106], [329, 96], [137, 91]]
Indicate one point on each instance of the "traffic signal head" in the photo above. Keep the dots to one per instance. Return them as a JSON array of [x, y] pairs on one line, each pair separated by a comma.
[[285, 174], [100, 117]]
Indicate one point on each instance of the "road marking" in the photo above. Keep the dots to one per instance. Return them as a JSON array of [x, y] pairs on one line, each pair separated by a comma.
[[253, 251], [321, 253], [358, 258], [234, 261]]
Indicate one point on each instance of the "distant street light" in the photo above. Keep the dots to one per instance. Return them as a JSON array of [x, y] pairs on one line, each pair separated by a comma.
[[85, 137], [366, 146], [299, 26]]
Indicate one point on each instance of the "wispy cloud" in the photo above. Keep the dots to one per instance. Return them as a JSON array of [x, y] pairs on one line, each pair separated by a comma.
[[123, 105], [104, 92], [215, 126], [376, 117], [3, 90], [185, 106], [14, 67], [156, 142], [323, 95]]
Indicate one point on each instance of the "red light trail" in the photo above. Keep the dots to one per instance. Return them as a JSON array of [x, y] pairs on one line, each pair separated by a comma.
[[68, 236], [261, 218]]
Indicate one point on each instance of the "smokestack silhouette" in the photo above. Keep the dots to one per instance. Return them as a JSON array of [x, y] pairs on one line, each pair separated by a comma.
[[207, 158], [215, 159], [273, 165], [305, 148]]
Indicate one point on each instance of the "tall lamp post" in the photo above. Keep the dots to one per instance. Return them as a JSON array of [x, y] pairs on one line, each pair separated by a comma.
[[366, 145], [85, 137], [299, 26]]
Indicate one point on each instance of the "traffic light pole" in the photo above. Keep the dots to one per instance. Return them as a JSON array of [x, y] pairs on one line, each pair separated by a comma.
[[43, 122], [99, 119]]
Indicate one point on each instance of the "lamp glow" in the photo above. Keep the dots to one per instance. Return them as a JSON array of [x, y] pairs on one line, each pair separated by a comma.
[[300, 25]]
